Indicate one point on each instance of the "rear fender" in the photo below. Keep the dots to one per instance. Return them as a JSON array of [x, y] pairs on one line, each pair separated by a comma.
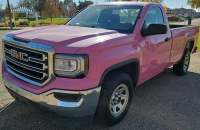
[[188, 46]]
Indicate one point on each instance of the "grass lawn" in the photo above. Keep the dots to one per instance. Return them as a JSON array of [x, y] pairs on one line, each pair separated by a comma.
[[43, 20], [54, 20], [172, 21], [198, 43], [8, 29]]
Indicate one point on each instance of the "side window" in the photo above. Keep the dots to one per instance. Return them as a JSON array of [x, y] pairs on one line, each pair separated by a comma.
[[154, 16]]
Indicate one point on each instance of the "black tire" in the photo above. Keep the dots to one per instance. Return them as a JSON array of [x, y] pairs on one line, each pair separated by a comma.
[[112, 81], [182, 68]]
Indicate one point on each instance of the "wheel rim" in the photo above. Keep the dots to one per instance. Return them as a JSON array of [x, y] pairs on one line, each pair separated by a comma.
[[186, 63], [119, 100]]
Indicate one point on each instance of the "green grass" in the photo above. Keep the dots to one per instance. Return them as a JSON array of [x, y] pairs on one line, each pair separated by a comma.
[[54, 20], [172, 21], [43, 20], [198, 43], [8, 29]]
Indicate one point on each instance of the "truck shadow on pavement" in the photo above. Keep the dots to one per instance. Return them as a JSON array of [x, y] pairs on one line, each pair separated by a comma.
[[166, 101]]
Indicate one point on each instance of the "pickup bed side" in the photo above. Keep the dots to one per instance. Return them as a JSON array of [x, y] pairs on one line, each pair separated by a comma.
[[183, 37]]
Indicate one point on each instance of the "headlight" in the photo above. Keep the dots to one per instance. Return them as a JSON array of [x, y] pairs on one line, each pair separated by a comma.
[[71, 65], [65, 65]]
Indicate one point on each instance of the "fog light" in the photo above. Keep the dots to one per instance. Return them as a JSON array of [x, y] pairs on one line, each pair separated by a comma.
[[67, 97]]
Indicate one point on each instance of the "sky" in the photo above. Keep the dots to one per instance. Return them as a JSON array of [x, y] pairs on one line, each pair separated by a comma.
[[169, 3]]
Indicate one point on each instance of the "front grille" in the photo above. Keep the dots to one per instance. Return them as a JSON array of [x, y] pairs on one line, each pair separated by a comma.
[[36, 66]]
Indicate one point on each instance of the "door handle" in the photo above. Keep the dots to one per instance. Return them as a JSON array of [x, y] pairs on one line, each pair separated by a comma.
[[167, 39]]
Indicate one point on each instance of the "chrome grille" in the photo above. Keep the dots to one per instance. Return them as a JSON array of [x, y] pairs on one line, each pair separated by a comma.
[[35, 69]]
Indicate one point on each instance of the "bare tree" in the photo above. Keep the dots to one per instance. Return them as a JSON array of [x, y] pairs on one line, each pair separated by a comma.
[[1, 7], [64, 11], [72, 11], [38, 5], [50, 10], [26, 3], [84, 4], [71, 7], [6, 11]]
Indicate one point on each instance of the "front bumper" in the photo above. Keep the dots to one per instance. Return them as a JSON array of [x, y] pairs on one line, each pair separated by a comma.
[[71, 113]]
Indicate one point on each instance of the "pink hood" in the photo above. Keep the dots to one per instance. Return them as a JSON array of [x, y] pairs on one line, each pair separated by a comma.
[[61, 37]]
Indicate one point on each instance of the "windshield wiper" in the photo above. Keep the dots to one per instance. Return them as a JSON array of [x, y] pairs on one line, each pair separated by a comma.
[[92, 26]]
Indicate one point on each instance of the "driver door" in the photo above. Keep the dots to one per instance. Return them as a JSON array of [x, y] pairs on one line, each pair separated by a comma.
[[158, 46]]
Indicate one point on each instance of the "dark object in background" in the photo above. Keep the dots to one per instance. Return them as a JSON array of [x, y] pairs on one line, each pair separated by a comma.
[[189, 20], [2, 17]]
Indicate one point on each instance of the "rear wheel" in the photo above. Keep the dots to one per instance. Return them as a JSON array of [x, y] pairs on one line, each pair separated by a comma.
[[115, 99], [182, 68]]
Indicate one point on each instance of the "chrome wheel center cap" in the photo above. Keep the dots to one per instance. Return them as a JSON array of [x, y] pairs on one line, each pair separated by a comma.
[[116, 99]]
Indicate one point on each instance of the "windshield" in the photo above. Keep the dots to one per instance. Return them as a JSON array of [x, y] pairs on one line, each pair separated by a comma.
[[120, 18]]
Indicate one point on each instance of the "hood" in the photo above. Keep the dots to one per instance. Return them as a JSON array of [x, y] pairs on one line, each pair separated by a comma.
[[61, 37]]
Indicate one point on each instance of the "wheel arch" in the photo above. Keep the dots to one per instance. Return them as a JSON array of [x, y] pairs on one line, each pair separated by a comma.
[[190, 44], [131, 67]]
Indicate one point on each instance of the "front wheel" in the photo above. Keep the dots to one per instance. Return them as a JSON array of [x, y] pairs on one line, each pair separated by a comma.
[[182, 68], [119, 100], [115, 99]]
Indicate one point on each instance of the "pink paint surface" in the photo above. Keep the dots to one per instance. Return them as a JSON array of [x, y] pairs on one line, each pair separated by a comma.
[[107, 48]]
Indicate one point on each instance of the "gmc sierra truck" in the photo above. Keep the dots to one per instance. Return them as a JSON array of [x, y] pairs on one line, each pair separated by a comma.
[[89, 67]]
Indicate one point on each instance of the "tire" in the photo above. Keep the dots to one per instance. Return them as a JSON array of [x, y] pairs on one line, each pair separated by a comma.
[[182, 68], [108, 112]]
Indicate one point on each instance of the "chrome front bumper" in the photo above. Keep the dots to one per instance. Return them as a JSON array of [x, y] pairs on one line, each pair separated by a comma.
[[86, 106]]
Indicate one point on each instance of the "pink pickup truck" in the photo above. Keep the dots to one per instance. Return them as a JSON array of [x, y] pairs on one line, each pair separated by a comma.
[[90, 66]]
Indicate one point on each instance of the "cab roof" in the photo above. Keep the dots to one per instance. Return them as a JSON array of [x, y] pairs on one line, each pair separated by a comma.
[[127, 3]]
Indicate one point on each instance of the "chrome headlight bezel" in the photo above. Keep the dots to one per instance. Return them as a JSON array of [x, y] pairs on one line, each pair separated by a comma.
[[82, 64]]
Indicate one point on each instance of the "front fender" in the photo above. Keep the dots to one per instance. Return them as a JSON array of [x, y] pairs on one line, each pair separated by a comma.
[[109, 53]]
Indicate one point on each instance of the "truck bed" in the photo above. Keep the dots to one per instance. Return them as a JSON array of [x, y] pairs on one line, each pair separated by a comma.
[[174, 26], [182, 34]]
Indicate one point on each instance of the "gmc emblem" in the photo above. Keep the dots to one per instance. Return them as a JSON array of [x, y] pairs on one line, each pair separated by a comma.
[[18, 55]]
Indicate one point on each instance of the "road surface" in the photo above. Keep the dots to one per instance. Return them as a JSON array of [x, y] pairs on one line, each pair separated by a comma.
[[195, 22]]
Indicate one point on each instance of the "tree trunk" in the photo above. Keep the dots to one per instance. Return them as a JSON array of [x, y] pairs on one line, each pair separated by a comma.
[[51, 20]]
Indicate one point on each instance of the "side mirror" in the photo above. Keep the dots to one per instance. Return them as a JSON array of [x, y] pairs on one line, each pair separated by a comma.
[[154, 29]]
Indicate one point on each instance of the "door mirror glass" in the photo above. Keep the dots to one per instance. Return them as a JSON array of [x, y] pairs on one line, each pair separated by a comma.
[[154, 29]]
